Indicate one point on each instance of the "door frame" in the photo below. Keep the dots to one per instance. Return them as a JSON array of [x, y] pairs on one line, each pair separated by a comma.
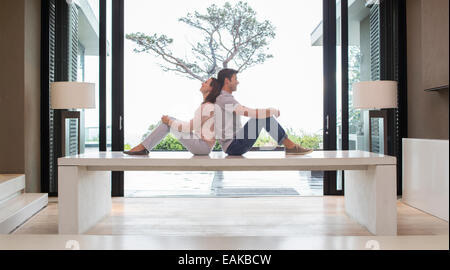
[[330, 91], [117, 96]]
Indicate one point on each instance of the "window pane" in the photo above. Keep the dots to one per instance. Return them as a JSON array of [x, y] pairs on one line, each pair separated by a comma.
[[358, 70], [88, 68]]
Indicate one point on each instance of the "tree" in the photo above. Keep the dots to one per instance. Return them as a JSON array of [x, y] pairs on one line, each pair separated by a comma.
[[231, 36]]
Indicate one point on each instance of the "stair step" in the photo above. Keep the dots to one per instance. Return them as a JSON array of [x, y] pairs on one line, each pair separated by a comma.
[[11, 185], [17, 210]]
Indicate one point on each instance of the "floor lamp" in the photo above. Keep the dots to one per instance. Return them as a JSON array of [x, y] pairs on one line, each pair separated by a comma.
[[67, 96], [378, 97]]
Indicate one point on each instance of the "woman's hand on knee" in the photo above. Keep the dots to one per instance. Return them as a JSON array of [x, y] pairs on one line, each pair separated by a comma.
[[165, 119]]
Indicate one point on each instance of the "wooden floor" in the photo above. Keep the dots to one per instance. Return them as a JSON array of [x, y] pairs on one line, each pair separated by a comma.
[[146, 242], [261, 216]]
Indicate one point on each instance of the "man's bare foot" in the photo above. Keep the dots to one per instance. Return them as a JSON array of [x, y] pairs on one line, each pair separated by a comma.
[[298, 150], [289, 144]]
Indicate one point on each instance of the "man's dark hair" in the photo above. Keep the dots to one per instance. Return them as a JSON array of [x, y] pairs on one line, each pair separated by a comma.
[[225, 73]]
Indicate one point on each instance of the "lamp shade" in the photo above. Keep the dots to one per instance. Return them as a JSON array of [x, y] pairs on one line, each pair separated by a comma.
[[72, 95], [375, 95]]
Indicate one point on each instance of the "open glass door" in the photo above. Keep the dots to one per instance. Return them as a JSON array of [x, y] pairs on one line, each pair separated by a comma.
[[357, 52], [291, 80], [327, 38]]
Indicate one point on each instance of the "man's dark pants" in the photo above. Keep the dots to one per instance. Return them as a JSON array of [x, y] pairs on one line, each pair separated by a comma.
[[245, 138]]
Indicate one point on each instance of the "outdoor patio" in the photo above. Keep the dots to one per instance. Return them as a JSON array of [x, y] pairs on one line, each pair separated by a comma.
[[223, 184]]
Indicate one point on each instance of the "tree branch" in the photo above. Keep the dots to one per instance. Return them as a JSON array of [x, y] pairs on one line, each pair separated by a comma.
[[213, 54], [179, 63], [221, 43], [242, 67]]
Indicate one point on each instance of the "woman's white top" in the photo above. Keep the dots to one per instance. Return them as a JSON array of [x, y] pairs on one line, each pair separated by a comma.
[[202, 124]]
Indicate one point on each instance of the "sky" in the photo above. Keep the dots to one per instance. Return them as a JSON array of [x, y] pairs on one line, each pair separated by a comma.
[[292, 81]]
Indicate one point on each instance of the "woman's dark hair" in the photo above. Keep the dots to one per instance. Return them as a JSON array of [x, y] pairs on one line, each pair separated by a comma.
[[215, 91]]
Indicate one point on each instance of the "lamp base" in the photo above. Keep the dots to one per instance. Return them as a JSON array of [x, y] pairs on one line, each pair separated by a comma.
[[66, 145], [382, 124]]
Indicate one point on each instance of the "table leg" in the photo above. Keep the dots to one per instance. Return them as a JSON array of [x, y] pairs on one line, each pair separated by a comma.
[[371, 198], [84, 198]]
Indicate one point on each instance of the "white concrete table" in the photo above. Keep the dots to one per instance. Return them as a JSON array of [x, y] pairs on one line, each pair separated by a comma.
[[84, 185]]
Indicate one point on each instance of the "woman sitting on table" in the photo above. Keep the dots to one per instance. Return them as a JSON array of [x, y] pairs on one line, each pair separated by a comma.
[[197, 135]]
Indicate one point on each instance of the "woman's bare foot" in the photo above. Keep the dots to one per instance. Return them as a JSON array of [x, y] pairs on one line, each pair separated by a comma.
[[139, 147], [138, 151]]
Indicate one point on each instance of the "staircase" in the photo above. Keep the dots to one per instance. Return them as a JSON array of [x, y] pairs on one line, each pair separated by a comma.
[[16, 206]]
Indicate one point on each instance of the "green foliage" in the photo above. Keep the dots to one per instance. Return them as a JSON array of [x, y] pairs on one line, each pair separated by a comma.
[[264, 139], [170, 143], [230, 34], [217, 147], [305, 139]]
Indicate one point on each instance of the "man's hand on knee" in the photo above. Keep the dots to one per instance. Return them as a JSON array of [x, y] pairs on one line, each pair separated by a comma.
[[257, 113]]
